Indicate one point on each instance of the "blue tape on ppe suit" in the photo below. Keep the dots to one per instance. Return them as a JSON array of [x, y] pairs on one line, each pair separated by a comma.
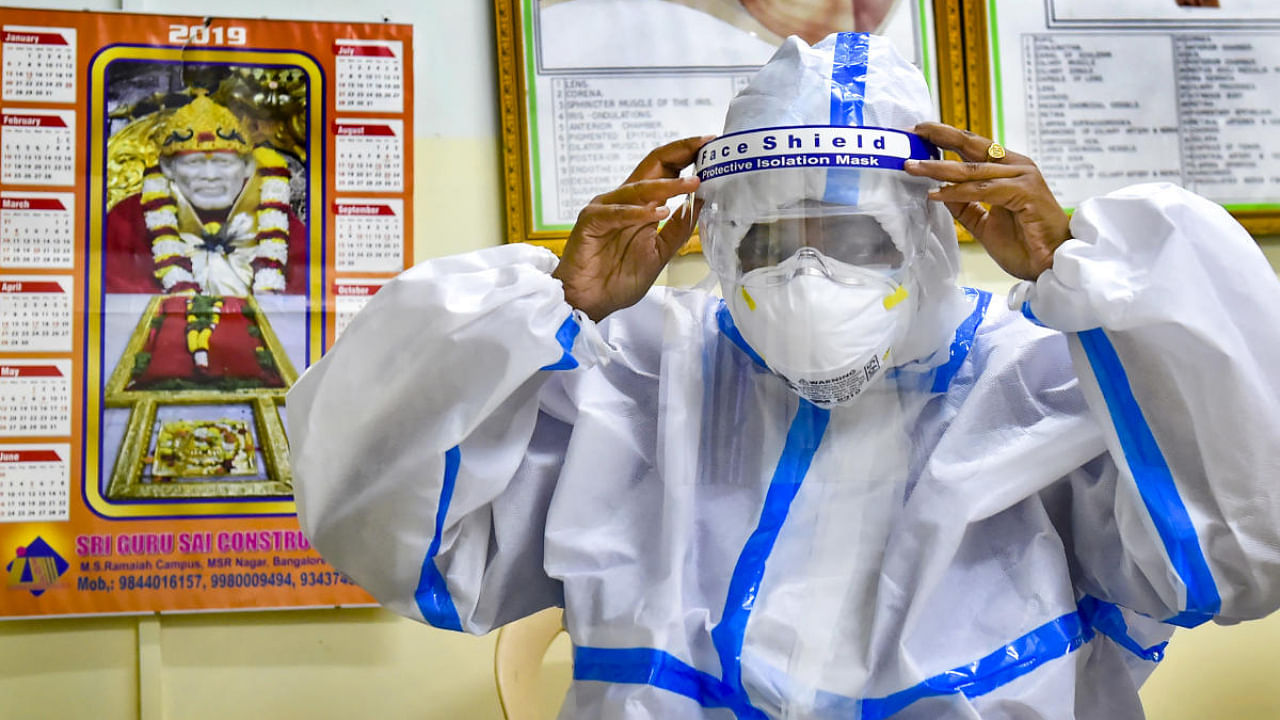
[[849, 79], [1028, 314], [567, 333], [647, 666], [725, 321], [848, 94], [654, 667], [432, 593], [802, 442], [963, 341], [1047, 642], [1155, 482], [1107, 619]]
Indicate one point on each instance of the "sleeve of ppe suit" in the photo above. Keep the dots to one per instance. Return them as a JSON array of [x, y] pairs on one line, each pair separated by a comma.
[[423, 458], [1170, 310]]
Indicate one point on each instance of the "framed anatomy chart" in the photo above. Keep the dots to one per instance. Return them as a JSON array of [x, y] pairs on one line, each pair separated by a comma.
[[588, 87], [1107, 93]]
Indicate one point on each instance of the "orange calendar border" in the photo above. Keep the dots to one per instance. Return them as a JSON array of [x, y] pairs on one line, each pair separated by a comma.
[[95, 564]]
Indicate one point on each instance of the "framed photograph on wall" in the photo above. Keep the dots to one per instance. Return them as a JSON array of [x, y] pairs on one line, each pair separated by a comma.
[[1109, 93], [588, 87]]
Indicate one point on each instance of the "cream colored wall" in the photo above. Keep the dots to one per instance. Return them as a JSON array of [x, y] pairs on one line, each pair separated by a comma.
[[366, 663]]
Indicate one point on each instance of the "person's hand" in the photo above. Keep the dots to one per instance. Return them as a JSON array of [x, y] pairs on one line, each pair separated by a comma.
[[1021, 224], [616, 249]]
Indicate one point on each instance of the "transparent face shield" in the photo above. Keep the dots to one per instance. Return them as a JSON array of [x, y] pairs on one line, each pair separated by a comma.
[[837, 211], [814, 249]]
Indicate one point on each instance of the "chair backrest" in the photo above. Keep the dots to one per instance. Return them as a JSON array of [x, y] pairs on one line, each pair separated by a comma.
[[517, 662]]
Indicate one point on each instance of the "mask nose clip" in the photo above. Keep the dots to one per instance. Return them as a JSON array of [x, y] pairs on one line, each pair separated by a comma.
[[810, 262]]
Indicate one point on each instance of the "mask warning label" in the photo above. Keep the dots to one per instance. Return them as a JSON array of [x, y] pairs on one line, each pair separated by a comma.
[[836, 390]]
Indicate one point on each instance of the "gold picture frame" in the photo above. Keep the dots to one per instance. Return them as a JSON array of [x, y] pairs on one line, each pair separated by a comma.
[[517, 178], [264, 404]]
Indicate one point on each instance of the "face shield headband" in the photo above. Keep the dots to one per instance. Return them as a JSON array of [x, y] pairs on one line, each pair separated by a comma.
[[811, 146]]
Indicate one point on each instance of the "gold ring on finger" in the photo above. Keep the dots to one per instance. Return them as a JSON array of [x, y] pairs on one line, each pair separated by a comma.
[[995, 151]]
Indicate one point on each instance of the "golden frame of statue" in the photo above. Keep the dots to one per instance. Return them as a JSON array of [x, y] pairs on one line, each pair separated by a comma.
[[127, 477]]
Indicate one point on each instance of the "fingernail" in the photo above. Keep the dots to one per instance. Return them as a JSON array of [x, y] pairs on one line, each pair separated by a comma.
[[910, 164]]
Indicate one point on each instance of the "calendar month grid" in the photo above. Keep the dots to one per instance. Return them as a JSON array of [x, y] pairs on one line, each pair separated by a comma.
[[350, 297], [370, 75], [37, 147], [369, 234], [370, 155], [35, 398], [36, 313], [38, 65], [37, 230], [35, 483]]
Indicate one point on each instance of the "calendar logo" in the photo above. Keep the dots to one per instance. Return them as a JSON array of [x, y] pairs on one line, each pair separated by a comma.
[[36, 567]]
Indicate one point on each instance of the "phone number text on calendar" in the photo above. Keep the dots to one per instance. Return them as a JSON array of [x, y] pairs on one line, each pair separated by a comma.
[[133, 582]]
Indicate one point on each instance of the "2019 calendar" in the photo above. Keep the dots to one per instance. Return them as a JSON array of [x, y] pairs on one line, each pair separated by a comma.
[[191, 210]]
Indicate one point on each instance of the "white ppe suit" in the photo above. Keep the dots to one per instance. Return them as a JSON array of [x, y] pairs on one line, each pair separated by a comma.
[[1008, 526]]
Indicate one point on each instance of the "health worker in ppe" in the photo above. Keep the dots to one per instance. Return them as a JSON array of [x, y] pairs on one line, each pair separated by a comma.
[[849, 488]]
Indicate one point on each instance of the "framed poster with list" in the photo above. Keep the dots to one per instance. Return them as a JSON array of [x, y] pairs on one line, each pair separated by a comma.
[[589, 87], [1108, 93]]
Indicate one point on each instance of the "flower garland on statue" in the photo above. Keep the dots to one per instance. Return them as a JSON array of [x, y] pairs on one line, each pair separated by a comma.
[[271, 218], [203, 314]]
